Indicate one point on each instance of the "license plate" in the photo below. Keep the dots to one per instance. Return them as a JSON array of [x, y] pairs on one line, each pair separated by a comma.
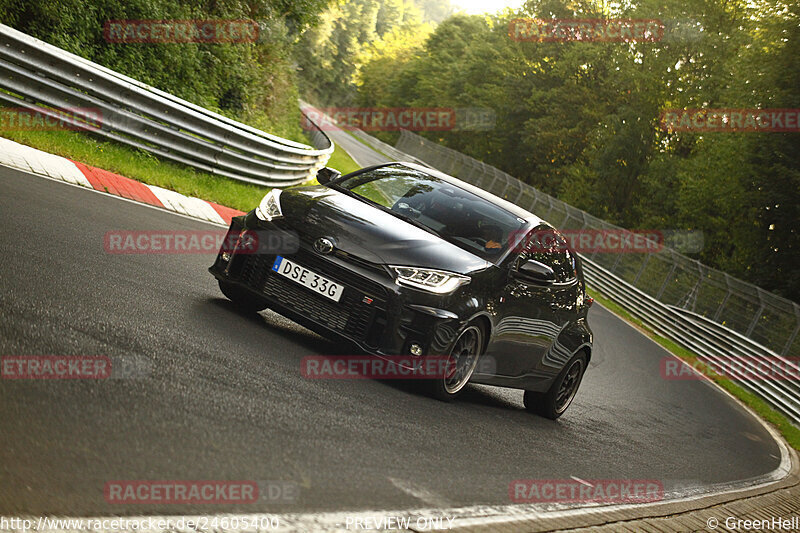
[[307, 278]]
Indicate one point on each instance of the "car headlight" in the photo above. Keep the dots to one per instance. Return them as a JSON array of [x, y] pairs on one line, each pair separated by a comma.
[[437, 281], [270, 206]]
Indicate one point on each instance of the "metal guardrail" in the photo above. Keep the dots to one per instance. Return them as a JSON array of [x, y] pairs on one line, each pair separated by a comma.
[[713, 344], [41, 77], [711, 341]]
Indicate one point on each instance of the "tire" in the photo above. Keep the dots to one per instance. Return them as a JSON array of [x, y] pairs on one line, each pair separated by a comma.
[[467, 349], [553, 403], [245, 301]]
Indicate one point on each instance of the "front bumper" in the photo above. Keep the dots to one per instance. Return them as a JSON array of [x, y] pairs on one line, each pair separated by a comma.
[[374, 312]]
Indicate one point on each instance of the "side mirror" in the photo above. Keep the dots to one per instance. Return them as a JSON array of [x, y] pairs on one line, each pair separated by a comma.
[[326, 174], [535, 272]]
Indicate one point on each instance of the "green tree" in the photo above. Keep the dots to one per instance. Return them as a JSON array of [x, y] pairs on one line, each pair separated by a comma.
[[581, 120]]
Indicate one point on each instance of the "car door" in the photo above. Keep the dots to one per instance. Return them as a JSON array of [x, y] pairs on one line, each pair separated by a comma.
[[532, 314]]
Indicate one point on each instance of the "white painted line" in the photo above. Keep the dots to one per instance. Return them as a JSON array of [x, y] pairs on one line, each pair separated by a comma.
[[29, 159], [783, 468], [420, 493]]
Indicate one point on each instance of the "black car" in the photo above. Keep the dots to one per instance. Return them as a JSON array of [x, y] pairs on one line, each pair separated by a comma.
[[403, 260]]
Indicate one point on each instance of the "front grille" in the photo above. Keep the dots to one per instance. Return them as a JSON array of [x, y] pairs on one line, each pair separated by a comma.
[[255, 269], [319, 264], [350, 315]]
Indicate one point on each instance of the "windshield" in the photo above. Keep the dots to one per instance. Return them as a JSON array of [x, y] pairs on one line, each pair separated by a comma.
[[458, 216]]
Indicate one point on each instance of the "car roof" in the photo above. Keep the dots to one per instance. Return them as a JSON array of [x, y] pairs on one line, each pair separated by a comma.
[[514, 209]]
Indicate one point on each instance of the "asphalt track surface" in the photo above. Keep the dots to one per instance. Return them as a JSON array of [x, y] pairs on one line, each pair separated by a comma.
[[363, 155], [224, 399]]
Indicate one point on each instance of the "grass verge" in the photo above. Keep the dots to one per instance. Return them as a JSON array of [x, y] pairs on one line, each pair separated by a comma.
[[789, 431], [147, 168], [341, 161]]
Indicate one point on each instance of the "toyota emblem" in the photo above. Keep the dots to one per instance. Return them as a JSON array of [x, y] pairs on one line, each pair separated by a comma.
[[323, 245]]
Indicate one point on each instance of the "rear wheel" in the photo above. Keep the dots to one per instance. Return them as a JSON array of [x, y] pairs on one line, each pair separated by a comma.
[[460, 364], [554, 402], [243, 299]]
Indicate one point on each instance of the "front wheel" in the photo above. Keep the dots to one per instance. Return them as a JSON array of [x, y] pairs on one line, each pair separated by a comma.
[[554, 402], [460, 364], [244, 300]]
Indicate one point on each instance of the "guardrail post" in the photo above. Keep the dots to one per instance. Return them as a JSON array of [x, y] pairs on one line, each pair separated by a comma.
[[718, 313], [789, 343], [666, 280], [755, 321], [641, 269], [613, 269], [519, 195]]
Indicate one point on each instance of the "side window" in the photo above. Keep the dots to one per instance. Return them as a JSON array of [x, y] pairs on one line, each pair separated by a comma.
[[546, 245]]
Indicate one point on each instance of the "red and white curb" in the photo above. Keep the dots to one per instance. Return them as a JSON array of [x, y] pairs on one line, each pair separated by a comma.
[[19, 156]]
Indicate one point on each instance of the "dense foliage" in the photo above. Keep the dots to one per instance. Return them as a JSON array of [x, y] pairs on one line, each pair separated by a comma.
[[351, 33], [580, 120], [253, 81]]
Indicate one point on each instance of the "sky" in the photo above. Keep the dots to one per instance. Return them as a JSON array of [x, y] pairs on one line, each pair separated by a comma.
[[473, 7]]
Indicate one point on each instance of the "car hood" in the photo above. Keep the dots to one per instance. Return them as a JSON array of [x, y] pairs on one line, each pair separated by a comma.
[[370, 233]]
